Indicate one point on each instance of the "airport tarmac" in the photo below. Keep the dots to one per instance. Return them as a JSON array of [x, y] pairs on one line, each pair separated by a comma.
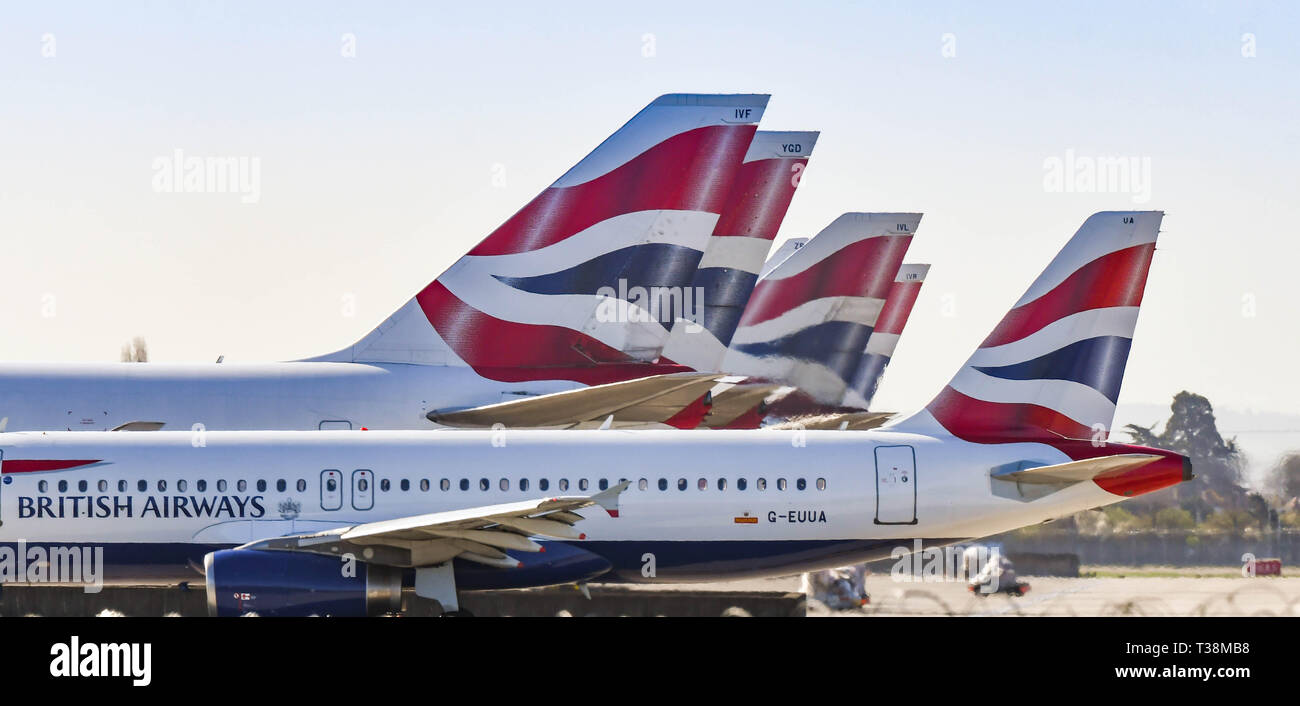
[[1109, 591]]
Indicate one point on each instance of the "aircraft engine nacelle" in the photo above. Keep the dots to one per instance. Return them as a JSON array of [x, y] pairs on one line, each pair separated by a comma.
[[278, 583]]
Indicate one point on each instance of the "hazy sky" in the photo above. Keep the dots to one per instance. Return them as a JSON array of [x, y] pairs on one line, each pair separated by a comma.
[[392, 137]]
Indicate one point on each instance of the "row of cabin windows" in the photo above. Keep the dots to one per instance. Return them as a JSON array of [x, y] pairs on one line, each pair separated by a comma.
[[544, 484], [404, 484], [200, 486]]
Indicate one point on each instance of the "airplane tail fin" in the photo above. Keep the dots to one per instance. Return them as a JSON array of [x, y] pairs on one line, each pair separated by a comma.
[[1052, 367], [559, 291], [884, 337], [810, 317], [759, 199]]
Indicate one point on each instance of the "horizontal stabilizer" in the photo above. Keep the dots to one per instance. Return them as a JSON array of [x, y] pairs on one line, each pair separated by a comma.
[[563, 409], [1076, 471]]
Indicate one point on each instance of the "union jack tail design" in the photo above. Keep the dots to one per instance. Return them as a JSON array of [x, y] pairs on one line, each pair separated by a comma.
[[727, 273], [573, 286], [811, 315], [884, 337], [1052, 368]]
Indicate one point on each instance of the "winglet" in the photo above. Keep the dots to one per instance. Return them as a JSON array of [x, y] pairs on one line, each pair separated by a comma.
[[608, 499]]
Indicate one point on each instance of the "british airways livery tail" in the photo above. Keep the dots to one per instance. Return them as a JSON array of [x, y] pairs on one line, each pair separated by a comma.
[[573, 283], [729, 269], [1052, 367], [810, 317], [884, 337]]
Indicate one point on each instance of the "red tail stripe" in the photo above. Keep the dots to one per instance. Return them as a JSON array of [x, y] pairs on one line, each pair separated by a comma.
[[691, 415], [1115, 279], [690, 171], [513, 352], [24, 465], [863, 269], [990, 422], [898, 306], [759, 198]]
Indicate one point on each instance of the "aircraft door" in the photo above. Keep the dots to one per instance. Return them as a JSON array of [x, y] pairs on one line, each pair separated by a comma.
[[895, 485], [363, 490], [331, 490]]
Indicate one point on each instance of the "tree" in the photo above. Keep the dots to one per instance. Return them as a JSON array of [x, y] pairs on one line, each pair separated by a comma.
[[1192, 431], [1284, 479], [136, 351]]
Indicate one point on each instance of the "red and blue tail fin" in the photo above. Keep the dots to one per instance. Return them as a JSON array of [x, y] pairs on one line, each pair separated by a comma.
[[884, 337], [759, 199], [562, 290], [1052, 367], [811, 315]]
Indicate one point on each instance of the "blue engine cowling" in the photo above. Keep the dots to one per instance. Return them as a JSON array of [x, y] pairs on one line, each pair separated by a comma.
[[276, 583], [282, 583]]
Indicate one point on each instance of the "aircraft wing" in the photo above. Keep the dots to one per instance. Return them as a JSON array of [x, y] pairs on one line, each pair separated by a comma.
[[737, 400], [479, 534], [856, 421], [1076, 471], [643, 399]]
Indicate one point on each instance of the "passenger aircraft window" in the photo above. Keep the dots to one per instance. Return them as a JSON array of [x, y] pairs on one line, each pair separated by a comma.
[[740, 484], [121, 486], [405, 485], [483, 484], [280, 485], [202, 486], [302, 485], [43, 486], [180, 486], [261, 486], [162, 486], [642, 484], [384, 485], [362, 484], [801, 484], [504, 484], [681, 484], [663, 484], [722, 484], [702, 484], [81, 486], [604, 484], [523, 484], [761, 484], [582, 484], [543, 484], [142, 486], [564, 484], [464, 484], [780, 484], [221, 486], [821, 484], [242, 485], [424, 484], [444, 484], [103, 486]]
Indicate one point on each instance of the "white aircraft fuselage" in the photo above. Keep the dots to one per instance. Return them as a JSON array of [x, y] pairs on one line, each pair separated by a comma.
[[232, 396], [702, 505]]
